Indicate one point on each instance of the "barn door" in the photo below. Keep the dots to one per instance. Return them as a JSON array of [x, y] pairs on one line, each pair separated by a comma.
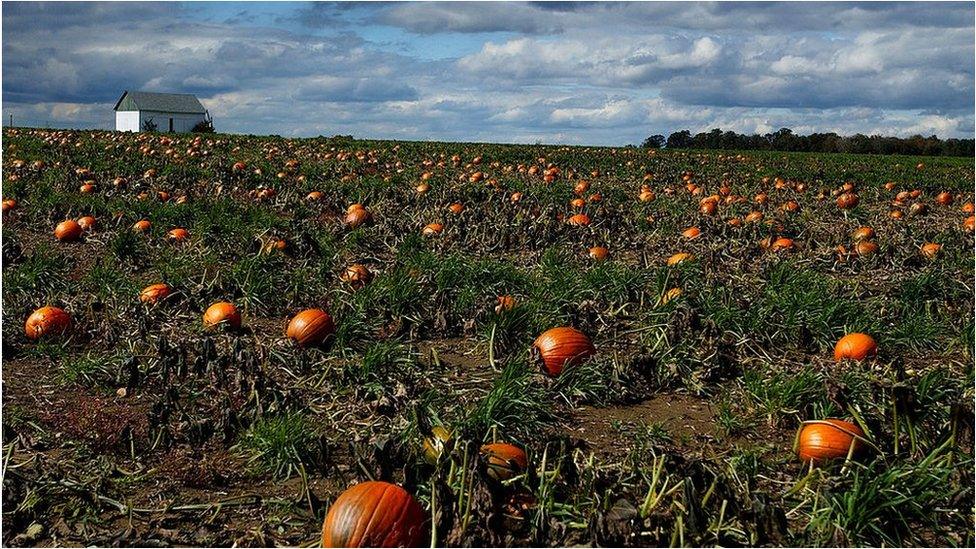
[[171, 124]]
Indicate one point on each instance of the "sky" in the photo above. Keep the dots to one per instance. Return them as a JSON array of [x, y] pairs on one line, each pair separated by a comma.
[[590, 73]]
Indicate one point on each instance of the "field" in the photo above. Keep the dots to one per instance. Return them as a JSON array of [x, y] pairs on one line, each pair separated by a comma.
[[138, 425]]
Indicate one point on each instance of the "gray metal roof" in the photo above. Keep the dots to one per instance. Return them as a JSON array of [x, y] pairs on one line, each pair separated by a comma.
[[162, 102]]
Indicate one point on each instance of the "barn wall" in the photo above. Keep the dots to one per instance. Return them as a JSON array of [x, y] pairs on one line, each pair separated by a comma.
[[127, 121], [182, 122]]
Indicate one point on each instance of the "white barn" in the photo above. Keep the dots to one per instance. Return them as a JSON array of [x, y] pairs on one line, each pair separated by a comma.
[[170, 112]]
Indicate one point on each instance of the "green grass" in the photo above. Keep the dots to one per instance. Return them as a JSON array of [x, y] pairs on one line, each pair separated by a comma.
[[280, 445]]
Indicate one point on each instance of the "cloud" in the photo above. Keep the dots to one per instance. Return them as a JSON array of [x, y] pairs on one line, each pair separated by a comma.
[[587, 72]]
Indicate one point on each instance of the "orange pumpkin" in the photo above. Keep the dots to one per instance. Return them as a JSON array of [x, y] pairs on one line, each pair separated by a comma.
[[855, 346], [670, 295], [944, 198], [357, 217], [178, 234], [865, 248], [310, 327], [433, 229], [646, 196], [86, 223], [691, 233], [141, 226], [599, 253], [968, 207], [47, 321], [563, 347], [503, 461], [754, 217], [822, 441], [222, 313], [577, 203], [9, 204], [423, 188], [314, 196], [516, 197], [931, 249], [155, 293], [847, 201], [580, 219], [356, 274], [970, 223], [374, 514], [505, 303], [863, 233], [456, 208], [782, 244], [68, 231], [679, 258]]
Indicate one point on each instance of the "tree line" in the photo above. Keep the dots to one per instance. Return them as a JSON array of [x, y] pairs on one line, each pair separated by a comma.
[[785, 140]]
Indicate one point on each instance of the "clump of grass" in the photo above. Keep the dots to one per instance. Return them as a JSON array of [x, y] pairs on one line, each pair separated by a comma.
[[779, 395], [514, 406], [884, 504], [280, 445]]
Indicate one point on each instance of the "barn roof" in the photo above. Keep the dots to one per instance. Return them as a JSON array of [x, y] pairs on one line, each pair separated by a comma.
[[163, 102]]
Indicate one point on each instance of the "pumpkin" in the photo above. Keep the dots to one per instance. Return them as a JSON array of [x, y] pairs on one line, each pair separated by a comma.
[[968, 207], [355, 206], [432, 229], [68, 231], [790, 207], [970, 223], [374, 514], [436, 443], [505, 303], [47, 321], [178, 234], [314, 196], [141, 226], [595, 198], [503, 461], [822, 441], [734, 222], [679, 257], [782, 244], [222, 313], [581, 187], [423, 188], [9, 204], [691, 233], [943, 198], [516, 197], [863, 233], [754, 217], [599, 253], [646, 196], [896, 214], [456, 208], [670, 295], [357, 217], [931, 249], [310, 327], [155, 293], [87, 188], [86, 223], [356, 274], [918, 208], [580, 219], [855, 346], [577, 203], [563, 347], [761, 198], [865, 248], [708, 208], [847, 201]]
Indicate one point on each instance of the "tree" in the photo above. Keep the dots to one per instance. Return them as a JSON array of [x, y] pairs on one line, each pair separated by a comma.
[[205, 125], [679, 140], [653, 142]]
